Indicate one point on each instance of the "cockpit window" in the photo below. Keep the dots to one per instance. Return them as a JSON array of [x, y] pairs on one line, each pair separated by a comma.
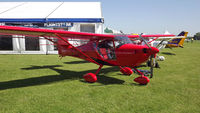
[[121, 40], [106, 49]]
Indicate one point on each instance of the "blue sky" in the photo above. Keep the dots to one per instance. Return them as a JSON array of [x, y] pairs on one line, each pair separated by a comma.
[[148, 16]]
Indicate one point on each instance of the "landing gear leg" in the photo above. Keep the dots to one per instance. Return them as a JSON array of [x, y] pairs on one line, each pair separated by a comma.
[[143, 80], [91, 77], [155, 63]]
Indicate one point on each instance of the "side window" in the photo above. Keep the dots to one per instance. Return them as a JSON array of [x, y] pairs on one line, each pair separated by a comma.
[[106, 49], [121, 40]]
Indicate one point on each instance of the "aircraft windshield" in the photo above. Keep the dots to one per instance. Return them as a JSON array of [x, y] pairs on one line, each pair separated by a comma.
[[121, 40]]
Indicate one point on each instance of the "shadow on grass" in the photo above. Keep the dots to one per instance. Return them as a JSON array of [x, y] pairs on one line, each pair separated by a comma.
[[141, 66], [168, 53], [76, 62], [136, 84], [63, 75]]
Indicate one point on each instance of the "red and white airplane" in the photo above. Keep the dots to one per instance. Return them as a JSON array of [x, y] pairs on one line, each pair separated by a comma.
[[101, 49]]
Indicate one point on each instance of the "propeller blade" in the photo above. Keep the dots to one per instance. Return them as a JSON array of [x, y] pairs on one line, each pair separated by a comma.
[[140, 36], [152, 55]]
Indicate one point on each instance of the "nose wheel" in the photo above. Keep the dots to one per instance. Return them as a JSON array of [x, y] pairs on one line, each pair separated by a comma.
[[143, 80]]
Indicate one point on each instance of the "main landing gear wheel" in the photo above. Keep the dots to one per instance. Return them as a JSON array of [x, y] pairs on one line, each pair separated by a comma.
[[142, 80], [90, 77], [126, 71]]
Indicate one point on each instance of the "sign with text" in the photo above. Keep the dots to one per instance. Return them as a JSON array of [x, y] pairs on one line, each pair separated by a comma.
[[58, 24]]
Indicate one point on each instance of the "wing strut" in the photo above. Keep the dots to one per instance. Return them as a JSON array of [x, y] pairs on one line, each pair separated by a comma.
[[153, 40], [49, 40], [89, 58]]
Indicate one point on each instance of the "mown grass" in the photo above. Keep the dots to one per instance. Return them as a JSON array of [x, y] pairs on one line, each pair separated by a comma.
[[46, 84]]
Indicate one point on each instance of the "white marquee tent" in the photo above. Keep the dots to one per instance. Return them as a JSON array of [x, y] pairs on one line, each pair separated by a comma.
[[77, 16]]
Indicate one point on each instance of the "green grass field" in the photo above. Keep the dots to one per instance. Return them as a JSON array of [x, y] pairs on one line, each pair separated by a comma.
[[46, 84]]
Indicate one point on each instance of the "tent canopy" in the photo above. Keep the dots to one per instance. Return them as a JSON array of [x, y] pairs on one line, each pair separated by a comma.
[[50, 12]]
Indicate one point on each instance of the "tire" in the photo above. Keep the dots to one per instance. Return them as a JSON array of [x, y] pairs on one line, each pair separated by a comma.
[[90, 77]]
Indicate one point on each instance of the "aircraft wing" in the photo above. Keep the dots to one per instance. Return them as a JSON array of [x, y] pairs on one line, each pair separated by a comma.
[[37, 32], [25, 31], [150, 36], [168, 37]]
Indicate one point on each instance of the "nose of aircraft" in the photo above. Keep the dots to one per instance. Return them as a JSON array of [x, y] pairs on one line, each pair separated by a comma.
[[154, 50]]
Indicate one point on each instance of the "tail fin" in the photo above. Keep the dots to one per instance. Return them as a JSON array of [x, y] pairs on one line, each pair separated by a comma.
[[179, 40], [184, 34]]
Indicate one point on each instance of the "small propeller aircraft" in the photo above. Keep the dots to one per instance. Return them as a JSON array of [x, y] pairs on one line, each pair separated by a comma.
[[177, 41], [164, 42], [101, 49], [161, 43], [170, 42]]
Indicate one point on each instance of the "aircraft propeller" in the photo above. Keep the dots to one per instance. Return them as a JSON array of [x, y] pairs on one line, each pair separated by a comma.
[[140, 36], [151, 57]]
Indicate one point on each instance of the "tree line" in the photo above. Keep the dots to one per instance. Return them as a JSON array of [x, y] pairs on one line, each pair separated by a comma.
[[197, 36]]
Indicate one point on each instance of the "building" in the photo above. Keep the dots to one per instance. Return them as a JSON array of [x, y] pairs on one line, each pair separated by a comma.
[[71, 16]]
